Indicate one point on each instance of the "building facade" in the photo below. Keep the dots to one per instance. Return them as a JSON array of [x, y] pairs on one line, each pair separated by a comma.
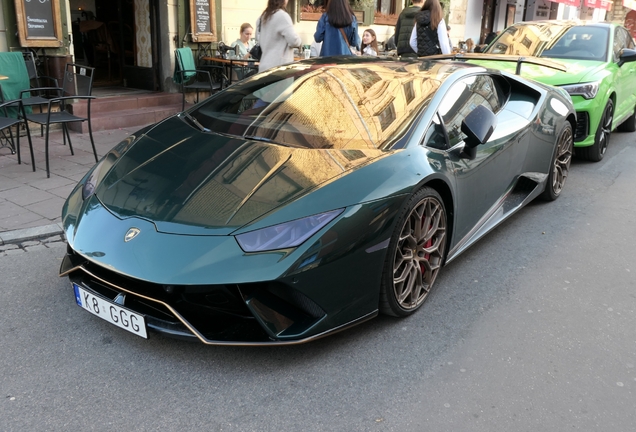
[[132, 42]]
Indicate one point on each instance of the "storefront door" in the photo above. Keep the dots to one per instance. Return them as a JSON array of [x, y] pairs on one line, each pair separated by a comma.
[[488, 19], [120, 42]]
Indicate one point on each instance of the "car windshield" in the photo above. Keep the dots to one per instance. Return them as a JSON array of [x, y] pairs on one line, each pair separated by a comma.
[[322, 106], [554, 41]]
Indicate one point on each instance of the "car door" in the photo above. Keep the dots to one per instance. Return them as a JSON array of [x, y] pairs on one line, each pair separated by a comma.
[[481, 182], [625, 79]]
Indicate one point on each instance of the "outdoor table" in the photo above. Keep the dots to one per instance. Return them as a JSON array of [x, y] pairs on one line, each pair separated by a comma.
[[232, 64]]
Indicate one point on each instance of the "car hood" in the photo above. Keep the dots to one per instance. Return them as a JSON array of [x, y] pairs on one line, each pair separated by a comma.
[[189, 182], [578, 71]]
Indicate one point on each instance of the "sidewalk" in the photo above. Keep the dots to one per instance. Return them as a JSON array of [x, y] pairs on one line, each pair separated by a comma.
[[30, 203]]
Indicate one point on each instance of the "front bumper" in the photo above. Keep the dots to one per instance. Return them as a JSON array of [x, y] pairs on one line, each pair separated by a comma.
[[268, 313], [588, 117]]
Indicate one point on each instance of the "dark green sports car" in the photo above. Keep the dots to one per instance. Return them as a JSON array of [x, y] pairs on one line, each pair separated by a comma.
[[310, 197]]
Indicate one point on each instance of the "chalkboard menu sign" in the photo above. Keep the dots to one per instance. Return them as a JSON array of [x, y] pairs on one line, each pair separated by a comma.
[[203, 20], [39, 23]]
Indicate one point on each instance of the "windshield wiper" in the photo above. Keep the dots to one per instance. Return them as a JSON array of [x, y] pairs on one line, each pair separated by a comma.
[[195, 122]]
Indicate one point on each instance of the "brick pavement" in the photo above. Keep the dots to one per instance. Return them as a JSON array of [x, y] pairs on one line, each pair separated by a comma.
[[31, 203]]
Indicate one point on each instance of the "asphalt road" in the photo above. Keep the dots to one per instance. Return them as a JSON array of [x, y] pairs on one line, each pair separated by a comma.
[[534, 328]]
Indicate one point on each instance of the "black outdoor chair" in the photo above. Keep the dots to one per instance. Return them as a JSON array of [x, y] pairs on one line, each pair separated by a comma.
[[77, 85], [41, 86], [6, 134], [204, 78]]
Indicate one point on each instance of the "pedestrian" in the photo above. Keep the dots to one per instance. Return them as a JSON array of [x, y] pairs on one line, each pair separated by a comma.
[[244, 42], [490, 37], [337, 29], [277, 36], [470, 45], [429, 36], [369, 45], [404, 27]]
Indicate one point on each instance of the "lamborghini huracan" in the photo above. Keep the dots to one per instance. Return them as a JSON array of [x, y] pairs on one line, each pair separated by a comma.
[[310, 197]]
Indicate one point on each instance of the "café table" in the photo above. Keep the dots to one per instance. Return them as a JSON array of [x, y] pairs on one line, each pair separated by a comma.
[[232, 66]]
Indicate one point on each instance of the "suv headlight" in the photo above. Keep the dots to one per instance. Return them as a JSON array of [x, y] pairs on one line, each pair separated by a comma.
[[285, 235], [587, 90]]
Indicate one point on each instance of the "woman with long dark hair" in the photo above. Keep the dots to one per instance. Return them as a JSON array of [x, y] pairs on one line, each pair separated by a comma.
[[369, 45], [337, 29], [276, 35], [429, 35]]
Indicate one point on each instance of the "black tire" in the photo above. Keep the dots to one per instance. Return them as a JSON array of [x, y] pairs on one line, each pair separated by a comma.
[[596, 151], [629, 125], [560, 164], [415, 255]]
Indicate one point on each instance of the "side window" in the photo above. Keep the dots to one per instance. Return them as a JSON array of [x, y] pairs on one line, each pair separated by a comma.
[[435, 136], [463, 97], [620, 42], [629, 40]]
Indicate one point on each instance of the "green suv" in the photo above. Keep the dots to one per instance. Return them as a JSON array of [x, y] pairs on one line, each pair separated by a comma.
[[600, 77]]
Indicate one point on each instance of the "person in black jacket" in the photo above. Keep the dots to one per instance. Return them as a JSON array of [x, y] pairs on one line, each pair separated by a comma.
[[403, 29], [429, 35]]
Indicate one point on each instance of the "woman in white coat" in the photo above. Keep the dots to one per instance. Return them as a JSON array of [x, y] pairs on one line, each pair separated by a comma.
[[276, 35]]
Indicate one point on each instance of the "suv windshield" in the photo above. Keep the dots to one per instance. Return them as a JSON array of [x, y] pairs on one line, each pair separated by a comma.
[[352, 106], [554, 41]]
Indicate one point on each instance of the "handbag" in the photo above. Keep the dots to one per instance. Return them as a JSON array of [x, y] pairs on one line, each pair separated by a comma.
[[347, 42], [257, 52]]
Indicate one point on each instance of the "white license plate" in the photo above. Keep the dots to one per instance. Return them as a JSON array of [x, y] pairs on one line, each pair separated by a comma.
[[111, 312]]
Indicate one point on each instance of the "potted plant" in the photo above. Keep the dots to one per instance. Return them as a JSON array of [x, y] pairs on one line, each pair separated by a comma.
[[385, 19], [310, 12], [361, 9]]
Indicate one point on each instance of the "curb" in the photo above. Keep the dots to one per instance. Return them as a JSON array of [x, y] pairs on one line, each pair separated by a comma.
[[21, 235]]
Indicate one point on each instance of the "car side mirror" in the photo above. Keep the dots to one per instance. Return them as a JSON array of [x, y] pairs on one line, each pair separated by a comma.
[[478, 126], [627, 55]]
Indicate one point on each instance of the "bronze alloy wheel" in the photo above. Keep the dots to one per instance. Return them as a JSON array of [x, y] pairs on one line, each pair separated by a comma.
[[416, 254], [561, 166]]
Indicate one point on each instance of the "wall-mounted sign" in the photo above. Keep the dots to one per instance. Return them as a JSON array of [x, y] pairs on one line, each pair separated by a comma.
[[203, 20], [576, 3], [39, 23], [598, 4]]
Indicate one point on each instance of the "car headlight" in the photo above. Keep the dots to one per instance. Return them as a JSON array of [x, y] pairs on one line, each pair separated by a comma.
[[587, 90], [285, 235], [103, 166], [91, 182]]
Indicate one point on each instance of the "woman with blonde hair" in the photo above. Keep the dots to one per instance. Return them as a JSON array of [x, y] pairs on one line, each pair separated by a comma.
[[244, 42], [276, 35], [429, 35]]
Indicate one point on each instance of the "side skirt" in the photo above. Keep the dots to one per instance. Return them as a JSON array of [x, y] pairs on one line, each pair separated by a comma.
[[514, 199]]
